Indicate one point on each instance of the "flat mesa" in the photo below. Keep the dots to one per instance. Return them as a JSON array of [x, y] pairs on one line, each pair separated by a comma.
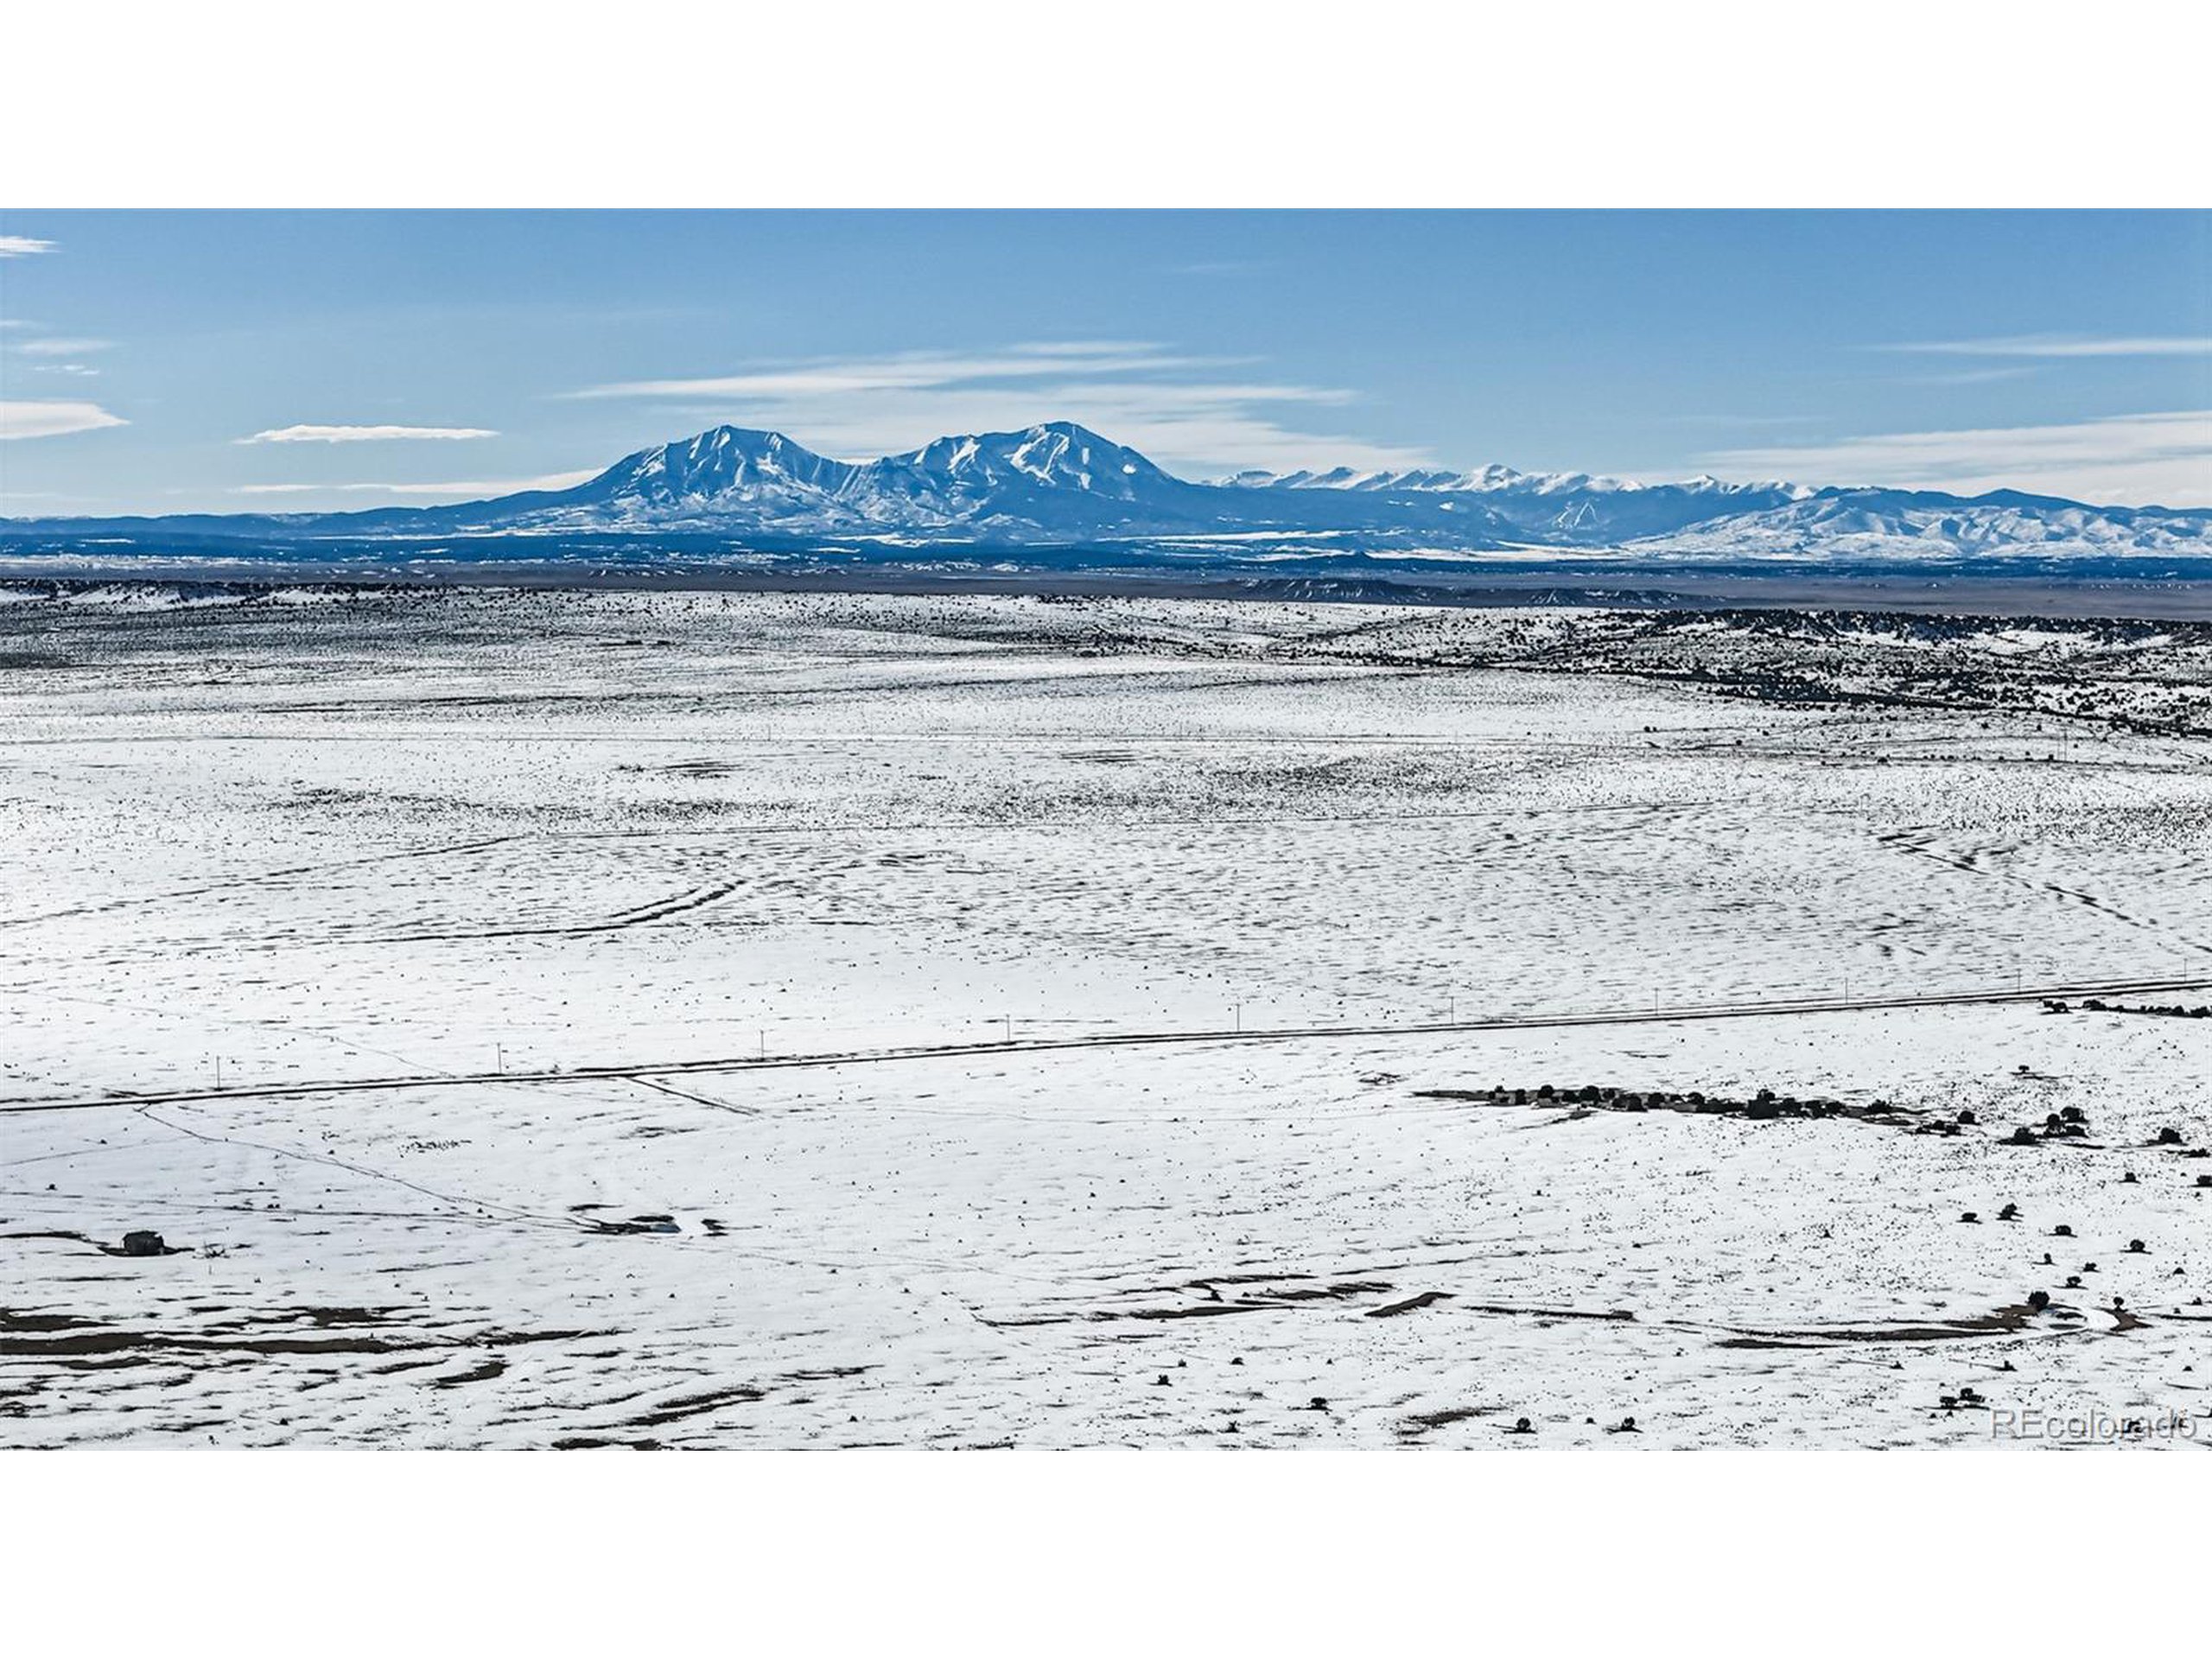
[[497, 1017]]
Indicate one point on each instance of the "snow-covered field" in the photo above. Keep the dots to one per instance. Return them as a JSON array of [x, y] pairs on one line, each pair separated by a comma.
[[597, 1018]]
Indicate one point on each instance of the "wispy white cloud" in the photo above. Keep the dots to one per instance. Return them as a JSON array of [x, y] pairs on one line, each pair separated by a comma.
[[458, 490], [365, 433], [63, 345], [13, 247], [1189, 413], [1101, 349], [2066, 346], [2137, 459], [913, 371], [64, 368], [1970, 376], [40, 418]]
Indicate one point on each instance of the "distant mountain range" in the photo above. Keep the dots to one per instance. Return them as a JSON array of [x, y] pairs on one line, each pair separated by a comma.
[[1060, 485]]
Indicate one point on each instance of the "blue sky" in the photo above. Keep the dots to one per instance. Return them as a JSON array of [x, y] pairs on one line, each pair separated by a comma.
[[229, 362]]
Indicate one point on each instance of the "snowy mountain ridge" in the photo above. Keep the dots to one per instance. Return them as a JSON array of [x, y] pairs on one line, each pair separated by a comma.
[[1489, 479], [1060, 484]]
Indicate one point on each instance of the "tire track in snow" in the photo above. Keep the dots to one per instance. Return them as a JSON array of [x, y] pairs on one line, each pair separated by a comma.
[[658, 910], [1921, 845]]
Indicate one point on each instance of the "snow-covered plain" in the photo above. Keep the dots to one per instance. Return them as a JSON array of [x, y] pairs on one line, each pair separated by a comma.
[[807, 887]]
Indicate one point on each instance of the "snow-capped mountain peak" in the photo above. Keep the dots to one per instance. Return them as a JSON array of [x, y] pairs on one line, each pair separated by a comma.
[[723, 463], [1058, 454]]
